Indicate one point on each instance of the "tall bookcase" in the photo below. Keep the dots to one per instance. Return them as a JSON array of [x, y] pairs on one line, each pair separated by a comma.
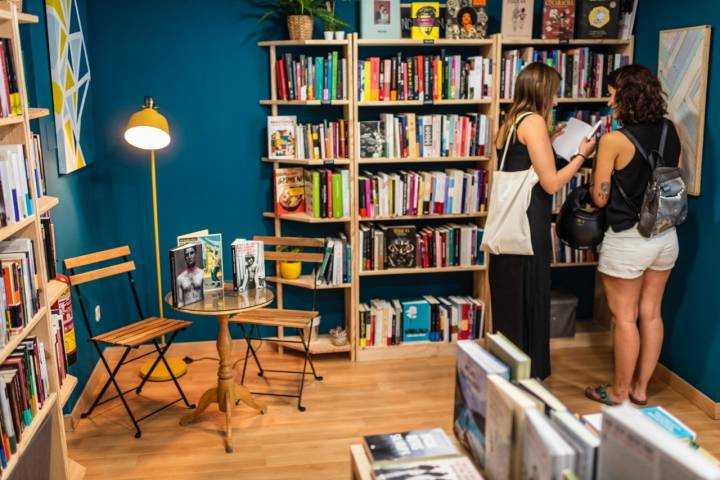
[[355, 49], [16, 130], [344, 47]]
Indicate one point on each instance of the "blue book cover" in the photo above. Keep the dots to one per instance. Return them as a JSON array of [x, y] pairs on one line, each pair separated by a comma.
[[416, 321], [669, 423]]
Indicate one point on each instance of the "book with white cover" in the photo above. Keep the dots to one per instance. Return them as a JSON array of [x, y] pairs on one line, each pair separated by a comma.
[[546, 455], [536, 388], [473, 366], [510, 354], [456, 468], [633, 446], [581, 439], [566, 144], [507, 407]]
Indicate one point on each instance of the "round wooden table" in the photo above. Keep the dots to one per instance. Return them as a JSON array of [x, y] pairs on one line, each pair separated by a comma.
[[223, 304]]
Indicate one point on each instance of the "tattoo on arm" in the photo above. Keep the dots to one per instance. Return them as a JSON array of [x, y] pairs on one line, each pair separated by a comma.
[[605, 190]]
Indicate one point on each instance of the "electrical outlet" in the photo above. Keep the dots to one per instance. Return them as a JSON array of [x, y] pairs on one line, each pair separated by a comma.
[[98, 314]]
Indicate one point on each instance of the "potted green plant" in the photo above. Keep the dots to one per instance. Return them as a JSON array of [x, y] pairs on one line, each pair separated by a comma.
[[290, 270], [300, 15]]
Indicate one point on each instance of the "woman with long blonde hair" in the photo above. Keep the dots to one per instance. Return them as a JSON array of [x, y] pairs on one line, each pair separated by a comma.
[[520, 284]]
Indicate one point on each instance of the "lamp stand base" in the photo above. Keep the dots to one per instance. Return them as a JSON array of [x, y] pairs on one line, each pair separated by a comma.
[[161, 374]]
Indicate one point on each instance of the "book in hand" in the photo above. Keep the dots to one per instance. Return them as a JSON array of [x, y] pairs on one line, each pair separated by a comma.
[[281, 137], [545, 453], [289, 190], [633, 446], [474, 364], [212, 255], [597, 19], [187, 274], [466, 19], [408, 446], [517, 19], [454, 468], [567, 143], [508, 353], [248, 264], [581, 439], [507, 407]]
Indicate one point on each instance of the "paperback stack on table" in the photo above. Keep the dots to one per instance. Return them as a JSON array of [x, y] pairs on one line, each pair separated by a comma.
[[395, 194], [407, 135], [304, 77], [404, 246], [429, 319], [418, 454], [426, 78]]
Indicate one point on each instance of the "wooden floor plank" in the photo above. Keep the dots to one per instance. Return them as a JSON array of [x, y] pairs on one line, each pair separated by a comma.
[[355, 399]]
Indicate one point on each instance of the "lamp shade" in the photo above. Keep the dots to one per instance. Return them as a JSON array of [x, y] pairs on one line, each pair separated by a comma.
[[148, 129]]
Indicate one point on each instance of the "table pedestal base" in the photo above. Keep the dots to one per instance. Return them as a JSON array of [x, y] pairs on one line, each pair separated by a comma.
[[228, 392]]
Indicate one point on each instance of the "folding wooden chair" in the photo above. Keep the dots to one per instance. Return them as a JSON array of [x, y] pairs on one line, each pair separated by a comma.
[[130, 336], [301, 320]]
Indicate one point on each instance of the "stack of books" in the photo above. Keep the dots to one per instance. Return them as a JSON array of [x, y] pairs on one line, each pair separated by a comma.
[[19, 298], [429, 319], [422, 193], [405, 246], [407, 135], [425, 78], [513, 427], [303, 77], [584, 72], [24, 388]]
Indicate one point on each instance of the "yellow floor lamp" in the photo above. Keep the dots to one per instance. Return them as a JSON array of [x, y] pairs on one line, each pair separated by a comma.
[[148, 129]]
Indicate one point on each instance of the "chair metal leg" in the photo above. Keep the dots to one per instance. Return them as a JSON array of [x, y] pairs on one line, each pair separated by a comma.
[[312, 365], [111, 372], [306, 346], [161, 355], [138, 390]]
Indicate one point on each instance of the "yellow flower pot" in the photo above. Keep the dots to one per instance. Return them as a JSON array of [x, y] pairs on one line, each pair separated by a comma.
[[290, 270]]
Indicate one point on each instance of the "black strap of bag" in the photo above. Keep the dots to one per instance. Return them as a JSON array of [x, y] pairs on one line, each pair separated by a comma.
[[644, 155]]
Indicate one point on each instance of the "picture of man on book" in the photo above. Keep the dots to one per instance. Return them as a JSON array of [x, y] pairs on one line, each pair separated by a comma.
[[189, 282], [250, 279]]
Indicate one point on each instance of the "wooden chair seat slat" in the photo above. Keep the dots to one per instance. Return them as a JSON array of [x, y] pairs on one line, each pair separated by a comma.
[[276, 317], [104, 272], [131, 328], [292, 241], [140, 332]]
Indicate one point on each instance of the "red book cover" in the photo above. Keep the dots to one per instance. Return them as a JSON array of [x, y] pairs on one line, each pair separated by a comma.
[[558, 19], [342, 139], [375, 78], [421, 77], [281, 86], [328, 180]]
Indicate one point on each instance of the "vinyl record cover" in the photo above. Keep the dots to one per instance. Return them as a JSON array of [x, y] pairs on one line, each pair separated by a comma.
[[466, 19], [380, 19], [517, 19], [186, 268], [425, 25], [372, 139], [558, 19]]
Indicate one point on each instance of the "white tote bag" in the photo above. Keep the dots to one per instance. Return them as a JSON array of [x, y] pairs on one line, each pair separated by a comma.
[[507, 229]]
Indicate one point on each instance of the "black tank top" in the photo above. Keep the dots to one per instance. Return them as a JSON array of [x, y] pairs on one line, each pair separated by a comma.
[[634, 177]]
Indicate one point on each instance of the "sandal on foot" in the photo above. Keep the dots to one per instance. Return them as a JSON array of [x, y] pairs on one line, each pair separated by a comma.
[[599, 394], [641, 403]]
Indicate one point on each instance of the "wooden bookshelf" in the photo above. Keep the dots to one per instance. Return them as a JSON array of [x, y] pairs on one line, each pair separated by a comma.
[[345, 225], [574, 42], [16, 130], [438, 42], [387, 161], [508, 101], [420, 103], [420, 271], [444, 216], [328, 162], [306, 281], [305, 218], [407, 350], [55, 290]]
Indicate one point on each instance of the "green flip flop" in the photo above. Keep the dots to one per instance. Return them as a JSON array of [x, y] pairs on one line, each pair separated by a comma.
[[599, 394]]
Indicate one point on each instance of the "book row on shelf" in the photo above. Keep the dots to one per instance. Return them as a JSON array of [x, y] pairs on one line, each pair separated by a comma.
[[564, 254], [335, 268], [452, 191], [288, 140], [19, 297], [15, 177], [10, 105], [511, 426], [582, 177], [319, 193], [408, 135], [304, 77], [24, 389], [425, 78], [429, 319], [386, 247], [583, 71]]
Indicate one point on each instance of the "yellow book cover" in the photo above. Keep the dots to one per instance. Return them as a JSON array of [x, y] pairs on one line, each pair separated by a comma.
[[425, 25], [367, 80], [439, 93]]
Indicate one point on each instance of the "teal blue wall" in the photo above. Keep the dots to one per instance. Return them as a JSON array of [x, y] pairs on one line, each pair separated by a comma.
[[202, 66], [692, 306]]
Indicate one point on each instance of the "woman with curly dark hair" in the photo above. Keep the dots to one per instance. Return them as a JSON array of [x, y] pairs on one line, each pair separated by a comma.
[[634, 269]]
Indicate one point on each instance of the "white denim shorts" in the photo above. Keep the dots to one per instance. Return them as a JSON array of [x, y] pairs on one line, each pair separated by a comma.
[[628, 254]]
